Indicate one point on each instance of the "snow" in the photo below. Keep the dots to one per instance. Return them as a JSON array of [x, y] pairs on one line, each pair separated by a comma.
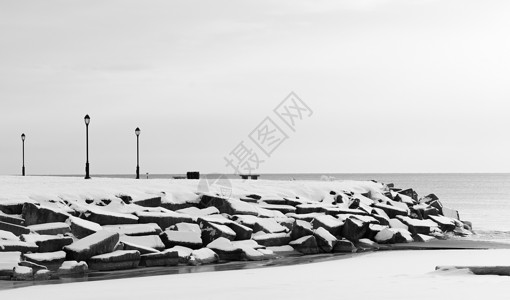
[[382, 275], [7, 235]]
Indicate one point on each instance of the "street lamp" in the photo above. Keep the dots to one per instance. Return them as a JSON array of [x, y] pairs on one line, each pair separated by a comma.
[[137, 132], [23, 153], [87, 121]]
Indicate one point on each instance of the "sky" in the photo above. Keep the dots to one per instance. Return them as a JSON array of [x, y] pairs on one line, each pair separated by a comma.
[[391, 86]]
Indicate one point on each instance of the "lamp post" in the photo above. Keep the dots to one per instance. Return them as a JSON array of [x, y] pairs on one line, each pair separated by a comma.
[[23, 153], [87, 121], [137, 132]]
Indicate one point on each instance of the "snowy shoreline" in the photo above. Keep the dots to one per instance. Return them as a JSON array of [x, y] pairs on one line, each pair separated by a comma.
[[55, 227]]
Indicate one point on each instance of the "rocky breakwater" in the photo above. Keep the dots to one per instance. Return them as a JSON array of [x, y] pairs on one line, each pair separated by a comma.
[[40, 240]]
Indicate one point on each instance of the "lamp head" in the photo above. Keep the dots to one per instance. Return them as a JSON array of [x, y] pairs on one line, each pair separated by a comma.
[[87, 120], [137, 131], [23, 137]]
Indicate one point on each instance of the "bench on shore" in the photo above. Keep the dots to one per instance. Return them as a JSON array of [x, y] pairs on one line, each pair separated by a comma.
[[249, 176]]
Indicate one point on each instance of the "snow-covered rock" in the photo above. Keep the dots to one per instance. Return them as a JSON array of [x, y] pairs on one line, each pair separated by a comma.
[[73, 268], [50, 228], [51, 260], [226, 250], [203, 256], [306, 245], [95, 244], [81, 228], [37, 214], [188, 239], [328, 222], [163, 219], [13, 228], [164, 258], [134, 229], [47, 243], [354, 229], [117, 260], [325, 240], [273, 239]]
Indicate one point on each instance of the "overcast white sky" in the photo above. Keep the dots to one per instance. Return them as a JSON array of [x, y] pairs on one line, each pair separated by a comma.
[[395, 86]]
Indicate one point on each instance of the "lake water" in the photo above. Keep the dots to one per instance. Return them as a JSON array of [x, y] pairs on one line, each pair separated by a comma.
[[483, 199]]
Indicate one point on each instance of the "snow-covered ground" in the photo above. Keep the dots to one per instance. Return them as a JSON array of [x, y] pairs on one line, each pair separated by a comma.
[[380, 275]]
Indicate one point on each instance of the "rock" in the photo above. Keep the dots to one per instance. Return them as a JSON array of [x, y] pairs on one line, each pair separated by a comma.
[[197, 212], [12, 219], [396, 223], [148, 241], [188, 239], [186, 227], [279, 207], [451, 213], [306, 245], [42, 275], [228, 206], [81, 228], [51, 260], [130, 246], [410, 193], [148, 202], [354, 229], [226, 250], [15, 229], [437, 205], [373, 230], [47, 243], [134, 229], [392, 211], [325, 240], [429, 198], [13, 206], [104, 217], [344, 246], [423, 238], [163, 219], [212, 231], [117, 260], [268, 225], [203, 256], [23, 247], [50, 228], [95, 244], [182, 252], [405, 199], [380, 215], [304, 217], [342, 210], [35, 267], [23, 273], [310, 208], [444, 223], [423, 211], [287, 223], [385, 236], [253, 254], [418, 226], [301, 229], [35, 214], [366, 245], [161, 259], [7, 235], [72, 268], [242, 232], [330, 223], [272, 239]]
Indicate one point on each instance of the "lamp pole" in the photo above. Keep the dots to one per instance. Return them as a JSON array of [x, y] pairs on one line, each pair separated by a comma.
[[87, 121], [137, 132], [23, 153]]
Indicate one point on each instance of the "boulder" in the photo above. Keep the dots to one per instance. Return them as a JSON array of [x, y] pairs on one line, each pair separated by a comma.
[[117, 260], [301, 229], [422, 238], [242, 232], [13, 219], [424, 210], [366, 245], [268, 225], [226, 250], [104, 217], [72, 268], [35, 267], [163, 219], [95, 244], [306, 245], [7, 235], [51, 260], [47, 243], [444, 223], [279, 207], [188, 239], [416, 226], [354, 229], [396, 223], [330, 223], [36, 214], [161, 259], [272, 239], [50, 228], [410, 193], [344, 246], [196, 212], [81, 228], [304, 217], [325, 240], [13, 206], [203, 256], [228, 206], [373, 230], [451, 213], [149, 241], [392, 211], [23, 273], [186, 227], [182, 252], [130, 246], [10, 245], [15, 229], [310, 208], [134, 229], [429, 198], [148, 202], [212, 231]]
